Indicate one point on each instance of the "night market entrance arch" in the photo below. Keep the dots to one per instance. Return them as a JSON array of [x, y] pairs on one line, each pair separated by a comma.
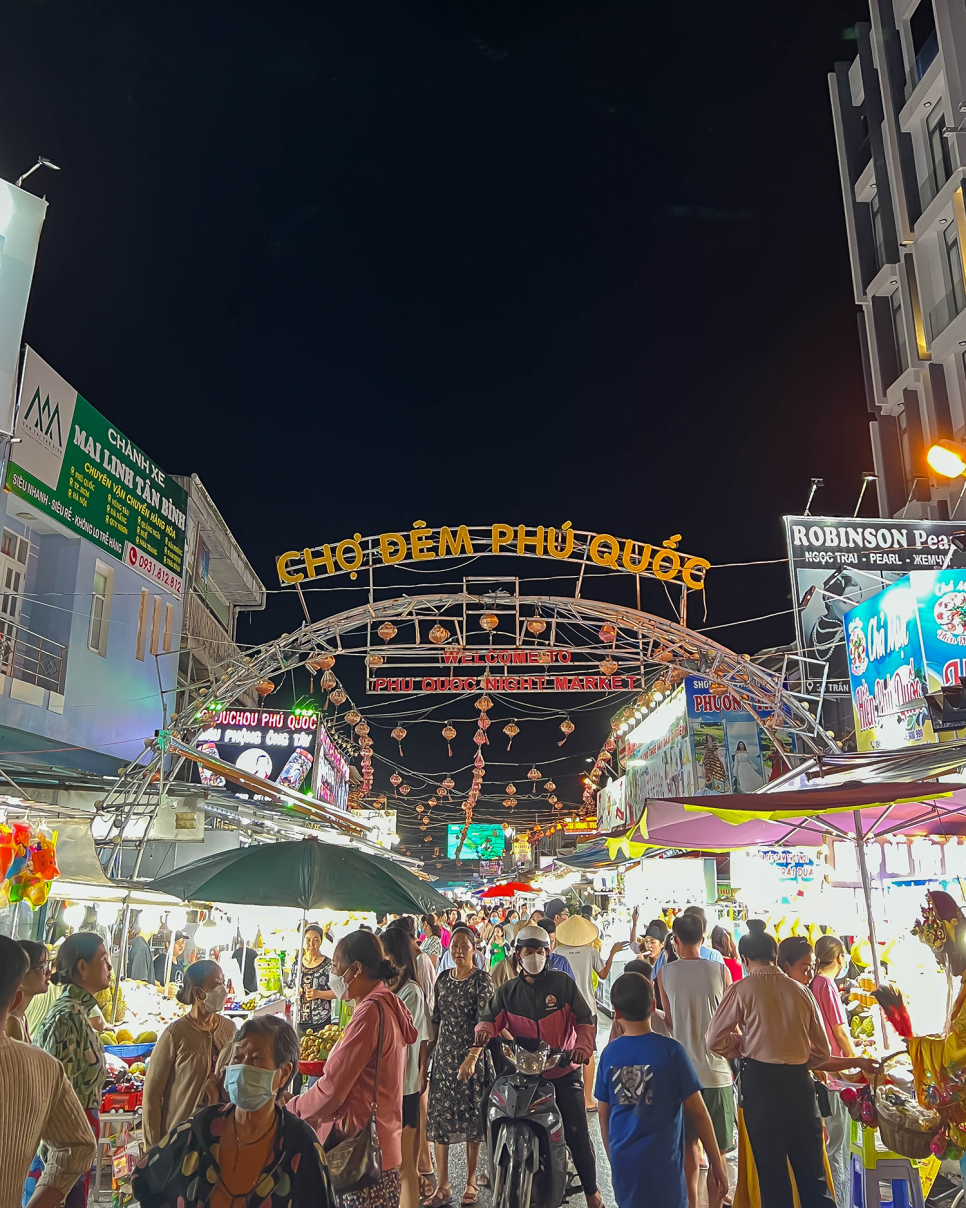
[[473, 645]]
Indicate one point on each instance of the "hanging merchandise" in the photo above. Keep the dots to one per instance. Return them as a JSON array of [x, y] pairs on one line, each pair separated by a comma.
[[28, 864]]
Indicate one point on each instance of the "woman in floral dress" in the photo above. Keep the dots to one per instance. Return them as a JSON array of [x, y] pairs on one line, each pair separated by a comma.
[[82, 966], [455, 1092]]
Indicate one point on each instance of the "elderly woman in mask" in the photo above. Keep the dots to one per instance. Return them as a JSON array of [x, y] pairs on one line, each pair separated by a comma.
[[246, 1151]]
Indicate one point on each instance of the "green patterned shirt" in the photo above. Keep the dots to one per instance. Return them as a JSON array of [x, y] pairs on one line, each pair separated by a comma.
[[66, 1034]]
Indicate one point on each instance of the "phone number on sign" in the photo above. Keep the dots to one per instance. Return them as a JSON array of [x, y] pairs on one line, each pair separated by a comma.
[[145, 565]]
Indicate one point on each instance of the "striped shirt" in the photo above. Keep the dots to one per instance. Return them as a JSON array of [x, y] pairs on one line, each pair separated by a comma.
[[38, 1103]]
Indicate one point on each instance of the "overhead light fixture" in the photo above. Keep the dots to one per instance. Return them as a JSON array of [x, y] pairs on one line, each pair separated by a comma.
[[948, 458]]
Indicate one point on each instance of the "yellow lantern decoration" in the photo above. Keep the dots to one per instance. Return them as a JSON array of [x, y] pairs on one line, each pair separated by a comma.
[[511, 790], [484, 703], [399, 733], [533, 774], [405, 789], [374, 660], [431, 802], [449, 783], [264, 687], [568, 727], [536, 625], [438, 634], [449, 733], [338, 697], [328, 681], [608, 666], [550, 786], [511, 730], [544, 656], [353, 717], [395, 779], [387, 631], [489, 621], [362, 727]]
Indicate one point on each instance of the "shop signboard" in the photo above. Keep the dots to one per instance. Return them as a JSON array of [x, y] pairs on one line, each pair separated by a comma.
[[21, 218], [521, 850], [272, 744], [732, 753], [381, 823], [887, 670], [481, 842], [837, 562], [331, 779], [73, 464], [611, 807], [659, 755]]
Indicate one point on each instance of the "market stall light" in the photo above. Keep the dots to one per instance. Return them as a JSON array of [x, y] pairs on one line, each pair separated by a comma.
[[74, 916], [948, 458]]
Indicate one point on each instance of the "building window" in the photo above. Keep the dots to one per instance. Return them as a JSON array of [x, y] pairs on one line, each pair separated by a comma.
[[142, 638], [101, 593], [156, 614], [168, 628], [925, 43], [940, 156], [899, 330], [14, 551], [878, 234], [954, 267]]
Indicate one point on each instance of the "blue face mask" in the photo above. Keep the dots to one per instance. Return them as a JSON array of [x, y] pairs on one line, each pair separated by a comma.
[[249, 1087]]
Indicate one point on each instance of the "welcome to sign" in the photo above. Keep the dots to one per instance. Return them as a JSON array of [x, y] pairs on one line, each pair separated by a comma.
[[423, 544]]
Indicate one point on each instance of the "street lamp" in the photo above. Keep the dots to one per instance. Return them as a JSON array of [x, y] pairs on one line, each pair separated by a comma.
[[41, 163], [947, 457]]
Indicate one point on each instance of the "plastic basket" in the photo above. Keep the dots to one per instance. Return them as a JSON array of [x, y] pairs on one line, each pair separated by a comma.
[[130, 1054], [314, 1069]]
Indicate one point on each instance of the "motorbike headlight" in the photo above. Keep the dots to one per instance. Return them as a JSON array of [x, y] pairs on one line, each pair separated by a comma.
[[531, 1063]]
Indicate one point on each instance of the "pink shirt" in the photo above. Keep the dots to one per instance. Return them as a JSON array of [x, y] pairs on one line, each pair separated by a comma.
[[344, 1092], [830, 1004]]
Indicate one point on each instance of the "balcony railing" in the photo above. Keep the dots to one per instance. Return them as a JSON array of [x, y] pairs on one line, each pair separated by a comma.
[[929, 188], [930, 48], [943, 313], [32, 658]]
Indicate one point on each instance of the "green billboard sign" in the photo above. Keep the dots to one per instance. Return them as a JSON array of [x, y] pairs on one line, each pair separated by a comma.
[[74, 465]]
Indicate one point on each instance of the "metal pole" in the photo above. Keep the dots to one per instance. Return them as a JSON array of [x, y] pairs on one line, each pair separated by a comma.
[[170, 961], [866, 891]]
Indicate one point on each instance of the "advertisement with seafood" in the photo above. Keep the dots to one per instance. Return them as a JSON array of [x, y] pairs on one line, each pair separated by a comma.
[[887, 670], [941, 606]]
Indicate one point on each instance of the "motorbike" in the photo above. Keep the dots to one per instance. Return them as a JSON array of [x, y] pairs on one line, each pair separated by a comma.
[[529, 1162]]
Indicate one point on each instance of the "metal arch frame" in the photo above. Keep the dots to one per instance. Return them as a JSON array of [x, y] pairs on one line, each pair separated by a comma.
[[649, 639]]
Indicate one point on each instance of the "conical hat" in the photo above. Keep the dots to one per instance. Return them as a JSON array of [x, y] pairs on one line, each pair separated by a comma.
[[576, 931]]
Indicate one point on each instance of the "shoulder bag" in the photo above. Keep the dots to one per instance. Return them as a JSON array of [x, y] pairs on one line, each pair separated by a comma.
[[355, 1163]]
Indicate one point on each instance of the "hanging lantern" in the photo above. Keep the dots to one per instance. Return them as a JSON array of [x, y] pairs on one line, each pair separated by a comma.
[[338, 697], [443, 792], [607, 633], [319, 662], [362, 727], [420, 808], [511, 790], [449, 783], [610, 745], [353, 717], [328, 681], [536, 625], [533, 774], [676, 675], [399, 733], [511, 730], [544, 656], [431, 802], [549, 786], [483, 722], [478, 760], [374, 660], [405, 789], [438, 634], [395, 779], [264, 687], [608, 666], [479, 738], [381, 799], [568, 727], [484, 703], [489, 621], [427, 838], [719, 689], [365, 743], [552, 798], [509, 803], [661, 655], [387, 631], [449, 733]]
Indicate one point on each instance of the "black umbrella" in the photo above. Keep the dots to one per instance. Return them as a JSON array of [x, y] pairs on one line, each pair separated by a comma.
[[306, 874]]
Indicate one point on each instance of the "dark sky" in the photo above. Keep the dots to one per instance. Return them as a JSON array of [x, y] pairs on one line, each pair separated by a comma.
[[461, 261]]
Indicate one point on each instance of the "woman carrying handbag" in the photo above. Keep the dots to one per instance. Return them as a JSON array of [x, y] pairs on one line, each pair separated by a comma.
[[356, 1106]]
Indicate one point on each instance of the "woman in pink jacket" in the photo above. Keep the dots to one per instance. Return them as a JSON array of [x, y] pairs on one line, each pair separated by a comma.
[[344, 1093]]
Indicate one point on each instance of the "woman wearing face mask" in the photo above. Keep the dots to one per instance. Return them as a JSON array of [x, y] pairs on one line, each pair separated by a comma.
[[457, 1084], [345, 1092], [184, 1058], [248, 1151]]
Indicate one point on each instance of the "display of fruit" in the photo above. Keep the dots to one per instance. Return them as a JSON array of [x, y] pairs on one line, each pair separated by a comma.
[[249, 1004], [108, 1037], [147, 1038], [316, 1046], [139, 1068], [124, 1036]]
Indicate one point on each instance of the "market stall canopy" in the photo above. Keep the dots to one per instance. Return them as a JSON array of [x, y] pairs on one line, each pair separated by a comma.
[[909, 763], [507, 890], [308, 874]]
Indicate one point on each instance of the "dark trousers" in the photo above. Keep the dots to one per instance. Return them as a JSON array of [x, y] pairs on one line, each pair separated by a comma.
[[570, 1100], [784, 1126]]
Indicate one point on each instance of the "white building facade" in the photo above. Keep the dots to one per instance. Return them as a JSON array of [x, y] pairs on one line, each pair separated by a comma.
[[899, 110]]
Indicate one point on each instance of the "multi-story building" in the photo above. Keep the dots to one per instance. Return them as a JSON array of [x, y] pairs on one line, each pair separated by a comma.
[[899, 111]]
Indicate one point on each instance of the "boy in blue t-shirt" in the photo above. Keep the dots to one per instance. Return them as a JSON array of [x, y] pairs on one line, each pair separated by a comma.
[[645, 1084]]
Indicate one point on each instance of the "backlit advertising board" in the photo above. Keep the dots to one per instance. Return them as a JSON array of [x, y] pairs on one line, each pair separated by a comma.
[[331, 772], [272, 744], [732, 752], [74, 465], [659, 756], [482, 842], [21, 219]]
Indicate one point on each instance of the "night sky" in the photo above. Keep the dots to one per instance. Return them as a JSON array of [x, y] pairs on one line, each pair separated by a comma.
[[362, 264]]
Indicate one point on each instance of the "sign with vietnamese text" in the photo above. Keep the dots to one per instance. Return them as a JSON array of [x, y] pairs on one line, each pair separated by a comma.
[[271, 744], [74, 465]]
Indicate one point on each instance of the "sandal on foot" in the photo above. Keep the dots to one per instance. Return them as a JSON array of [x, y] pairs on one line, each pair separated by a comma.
[[439, 1198], [470, 1196], [427, 1184]]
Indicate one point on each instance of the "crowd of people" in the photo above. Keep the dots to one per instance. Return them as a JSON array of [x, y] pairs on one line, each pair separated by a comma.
[[432, 1000]]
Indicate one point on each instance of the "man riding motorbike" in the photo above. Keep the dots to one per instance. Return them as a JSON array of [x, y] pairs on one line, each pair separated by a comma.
[[544, 1004]]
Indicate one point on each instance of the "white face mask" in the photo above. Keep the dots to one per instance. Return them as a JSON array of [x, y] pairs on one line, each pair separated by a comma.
[[215, 999], [534, 962], [339, 986]]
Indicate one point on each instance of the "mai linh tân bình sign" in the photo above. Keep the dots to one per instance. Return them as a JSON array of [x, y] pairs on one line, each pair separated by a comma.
[[423, 544]]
